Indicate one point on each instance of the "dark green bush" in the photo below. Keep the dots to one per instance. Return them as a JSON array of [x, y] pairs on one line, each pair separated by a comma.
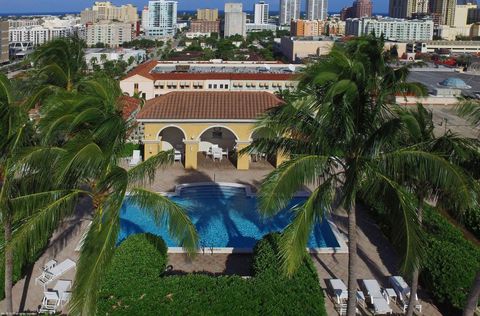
[[471, 220], [452, 261], [133, 287]]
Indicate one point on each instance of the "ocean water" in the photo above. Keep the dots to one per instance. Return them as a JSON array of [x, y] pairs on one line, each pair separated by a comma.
[[224, 217]]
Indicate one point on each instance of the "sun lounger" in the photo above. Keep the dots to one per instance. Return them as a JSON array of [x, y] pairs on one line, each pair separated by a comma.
[[54, 273], [403, 292], [339, 289], [377, 298]]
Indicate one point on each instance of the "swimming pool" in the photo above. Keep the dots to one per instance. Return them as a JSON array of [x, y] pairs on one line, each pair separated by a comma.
[[226, 219]]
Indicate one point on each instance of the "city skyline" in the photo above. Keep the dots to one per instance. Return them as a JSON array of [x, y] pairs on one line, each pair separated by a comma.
[[47, 6]]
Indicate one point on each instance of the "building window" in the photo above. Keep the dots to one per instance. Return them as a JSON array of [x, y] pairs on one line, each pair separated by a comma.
[[221, 86], [215, 86], [209, 86], [135, 86], [144, 96], [226, 86]]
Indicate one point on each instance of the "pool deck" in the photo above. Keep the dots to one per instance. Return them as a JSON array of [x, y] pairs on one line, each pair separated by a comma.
[[376, 257]]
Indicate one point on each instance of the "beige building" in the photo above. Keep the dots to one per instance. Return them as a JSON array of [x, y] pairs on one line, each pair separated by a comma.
[[207, 14], [298, 48], [455, 47], [4, 41], [156, 78], [461, 14], [299, 28], [407, 8], [112, 34], [107, 11]]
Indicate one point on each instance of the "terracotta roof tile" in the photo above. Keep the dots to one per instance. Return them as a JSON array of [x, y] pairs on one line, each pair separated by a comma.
[[209, 105], [128, 106]]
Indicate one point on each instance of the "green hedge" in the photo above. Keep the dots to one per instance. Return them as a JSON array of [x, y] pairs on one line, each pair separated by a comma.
[[451, 260], [133, 287], [471, 220]]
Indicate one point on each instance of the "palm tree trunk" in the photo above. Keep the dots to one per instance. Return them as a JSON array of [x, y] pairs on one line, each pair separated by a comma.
[[8, 266], [352, 261], [472, 300], [416, 272]]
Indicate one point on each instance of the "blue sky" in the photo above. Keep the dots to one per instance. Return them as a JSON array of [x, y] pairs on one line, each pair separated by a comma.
[[24, 6]]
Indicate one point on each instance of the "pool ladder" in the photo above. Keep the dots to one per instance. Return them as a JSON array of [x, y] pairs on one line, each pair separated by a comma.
[[206, 248]]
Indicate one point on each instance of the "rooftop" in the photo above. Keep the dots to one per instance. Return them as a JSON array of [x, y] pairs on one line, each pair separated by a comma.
[[185, 70], [204, 105], [431, 80]]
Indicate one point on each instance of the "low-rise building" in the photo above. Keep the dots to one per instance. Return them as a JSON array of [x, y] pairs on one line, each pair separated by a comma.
[[112, 34], [298, 48], [99, 55], [252, 27], [456, 47], [156, 78], [391, 29], [195, 122]]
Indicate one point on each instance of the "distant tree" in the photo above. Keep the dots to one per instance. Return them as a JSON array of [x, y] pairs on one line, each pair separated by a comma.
[[100, 45]]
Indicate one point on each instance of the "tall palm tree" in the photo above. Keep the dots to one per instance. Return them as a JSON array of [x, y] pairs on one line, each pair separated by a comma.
[[471, 110], [22, 189], [60, 64], [455, 149], [89, 129], [341, 132]]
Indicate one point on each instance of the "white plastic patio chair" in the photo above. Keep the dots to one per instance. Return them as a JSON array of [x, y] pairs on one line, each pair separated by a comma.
[[377, 298], [217, 153], [62, 288], [178, 155], [136, 158], [50, 302]]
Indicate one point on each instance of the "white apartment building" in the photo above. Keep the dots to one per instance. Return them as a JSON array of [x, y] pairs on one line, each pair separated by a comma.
[[261, 13], [145, 18], [112, 34], [289, 10], [235, 20], [455, 47], [156, 78], [392, 29], [51, 28], [25, 22], [317, 9], [162, 18], [107, 11]]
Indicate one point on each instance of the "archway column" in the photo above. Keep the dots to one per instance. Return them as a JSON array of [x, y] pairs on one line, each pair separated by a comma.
[[243, 161], [152, 147], [191, 154]]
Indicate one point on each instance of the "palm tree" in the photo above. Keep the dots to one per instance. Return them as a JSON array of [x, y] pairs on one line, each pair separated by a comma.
[[23, 186], [471, 110], [89, 127], [455, 149], [61, 63], [341, 132]]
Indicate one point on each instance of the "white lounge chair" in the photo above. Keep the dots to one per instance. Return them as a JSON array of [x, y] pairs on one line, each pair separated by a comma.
[[56, 272], [49, 265], [136, 158], [377, 298], [62, 288], [403, 292], [339, 289], [217, 153]]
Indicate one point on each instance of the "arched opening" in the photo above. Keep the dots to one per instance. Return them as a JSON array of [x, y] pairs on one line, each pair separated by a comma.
[[218, 143], [172, 137]]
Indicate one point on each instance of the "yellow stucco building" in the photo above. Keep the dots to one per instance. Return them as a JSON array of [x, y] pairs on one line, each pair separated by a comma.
[[214, 125]]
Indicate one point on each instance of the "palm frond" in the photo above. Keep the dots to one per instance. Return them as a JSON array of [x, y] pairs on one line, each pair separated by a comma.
[[167, 213], [146, 170]]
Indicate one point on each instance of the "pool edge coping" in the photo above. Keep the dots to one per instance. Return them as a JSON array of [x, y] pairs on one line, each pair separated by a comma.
[[341, 238]]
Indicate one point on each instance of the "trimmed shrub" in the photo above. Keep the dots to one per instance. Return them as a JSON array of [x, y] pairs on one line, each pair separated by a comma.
[[133, 286]]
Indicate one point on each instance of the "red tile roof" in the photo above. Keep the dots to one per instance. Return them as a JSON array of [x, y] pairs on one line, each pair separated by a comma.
[[204, 105], [128, 105], [144, 70]]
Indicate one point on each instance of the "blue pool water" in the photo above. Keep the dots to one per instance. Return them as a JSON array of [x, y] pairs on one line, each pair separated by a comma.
[[224, 217]]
